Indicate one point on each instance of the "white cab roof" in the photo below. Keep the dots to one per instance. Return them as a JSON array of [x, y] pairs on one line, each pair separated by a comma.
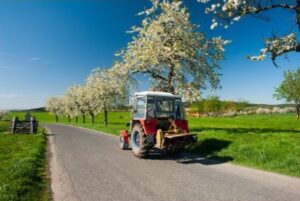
[[155, 93]]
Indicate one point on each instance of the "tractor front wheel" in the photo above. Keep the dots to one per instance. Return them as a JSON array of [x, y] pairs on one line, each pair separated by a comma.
[[139, 141]]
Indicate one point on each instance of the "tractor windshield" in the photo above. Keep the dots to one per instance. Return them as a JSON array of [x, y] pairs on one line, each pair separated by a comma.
[[164, 107]]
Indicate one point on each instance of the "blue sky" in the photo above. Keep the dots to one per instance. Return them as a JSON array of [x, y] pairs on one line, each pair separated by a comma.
[[45, 46]]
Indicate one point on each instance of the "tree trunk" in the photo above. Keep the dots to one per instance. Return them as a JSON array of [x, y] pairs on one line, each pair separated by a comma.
[[93, 117], [298, 110], [105, 116], [83, 118], [170, 78], [69, 118], [56, 118], [76, 119]]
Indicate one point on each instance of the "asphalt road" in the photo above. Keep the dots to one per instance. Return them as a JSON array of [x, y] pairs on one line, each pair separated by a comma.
[[86, 165]]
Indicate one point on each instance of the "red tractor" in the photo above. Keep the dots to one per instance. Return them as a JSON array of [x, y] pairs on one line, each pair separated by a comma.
[[157, 122]]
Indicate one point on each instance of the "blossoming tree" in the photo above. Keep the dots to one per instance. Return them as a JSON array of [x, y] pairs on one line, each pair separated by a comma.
[[54, 105], [172, 52], [76, 94], [227, 12], [70, 109], [106, 90]]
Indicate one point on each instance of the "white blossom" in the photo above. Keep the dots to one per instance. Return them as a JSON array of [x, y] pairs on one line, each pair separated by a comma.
[[277, 46], [214, 25], [55, 106], [227, 12], [171, 51]]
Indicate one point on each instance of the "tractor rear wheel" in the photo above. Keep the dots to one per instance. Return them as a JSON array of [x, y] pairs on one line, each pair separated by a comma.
[[139, 141]]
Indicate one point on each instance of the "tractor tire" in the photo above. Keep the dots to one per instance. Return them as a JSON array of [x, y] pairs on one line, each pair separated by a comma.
[[123, 145], [139, 144]]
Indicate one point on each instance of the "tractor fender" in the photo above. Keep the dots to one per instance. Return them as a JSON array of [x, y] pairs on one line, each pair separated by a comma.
[[125, 135]]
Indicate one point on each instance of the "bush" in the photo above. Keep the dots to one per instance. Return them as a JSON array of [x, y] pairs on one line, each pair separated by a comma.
[[196, 108], [242, 105], [229, 106], [212, 106]]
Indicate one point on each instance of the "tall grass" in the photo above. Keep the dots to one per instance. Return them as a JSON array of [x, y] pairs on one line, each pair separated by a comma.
[[22, 167]]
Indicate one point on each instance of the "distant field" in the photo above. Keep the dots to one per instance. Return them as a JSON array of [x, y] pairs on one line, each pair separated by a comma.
[[269, 142], [22, 167]]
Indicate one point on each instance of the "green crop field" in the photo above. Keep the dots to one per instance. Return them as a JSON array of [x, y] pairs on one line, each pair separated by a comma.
[[23, 166], [268, 142]]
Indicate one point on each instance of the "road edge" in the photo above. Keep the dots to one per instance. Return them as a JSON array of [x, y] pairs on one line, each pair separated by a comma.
[[61, 187]]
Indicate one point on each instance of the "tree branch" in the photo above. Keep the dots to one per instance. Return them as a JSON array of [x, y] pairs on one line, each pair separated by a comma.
[[275, 55], [298, 47], [261, 9], [153, 74]]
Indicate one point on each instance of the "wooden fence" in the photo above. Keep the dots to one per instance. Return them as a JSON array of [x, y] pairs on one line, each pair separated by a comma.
[[24, 127]]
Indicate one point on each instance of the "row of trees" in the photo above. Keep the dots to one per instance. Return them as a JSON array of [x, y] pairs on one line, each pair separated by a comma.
[[166, 47], [103, 90]]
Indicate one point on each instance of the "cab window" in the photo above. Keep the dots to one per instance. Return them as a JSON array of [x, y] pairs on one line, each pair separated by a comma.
[[179, 114], [140, 108]]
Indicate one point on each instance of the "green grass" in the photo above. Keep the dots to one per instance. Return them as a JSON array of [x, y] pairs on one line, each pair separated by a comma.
[[23, 167], [4, 126], [268, 142], [274, 122], [277, 151]]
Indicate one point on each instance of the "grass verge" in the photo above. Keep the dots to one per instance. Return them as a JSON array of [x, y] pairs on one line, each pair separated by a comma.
[[277, 152], [23, 167]]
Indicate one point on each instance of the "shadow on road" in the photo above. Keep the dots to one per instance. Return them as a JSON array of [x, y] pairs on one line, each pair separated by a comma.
[[191, 159], [205, 152], [187, 158]]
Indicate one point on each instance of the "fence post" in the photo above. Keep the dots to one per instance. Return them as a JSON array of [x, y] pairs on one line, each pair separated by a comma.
[[32, 125], [14, 124]]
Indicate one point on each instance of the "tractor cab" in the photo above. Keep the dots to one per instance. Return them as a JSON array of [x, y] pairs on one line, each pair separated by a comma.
[[157, 121], [159, 106]]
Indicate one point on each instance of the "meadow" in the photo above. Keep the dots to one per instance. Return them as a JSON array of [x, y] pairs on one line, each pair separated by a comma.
[[267, 142], [23, 166]]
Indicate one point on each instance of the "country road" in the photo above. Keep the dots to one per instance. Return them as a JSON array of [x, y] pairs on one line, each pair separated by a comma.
[[88, 166]]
